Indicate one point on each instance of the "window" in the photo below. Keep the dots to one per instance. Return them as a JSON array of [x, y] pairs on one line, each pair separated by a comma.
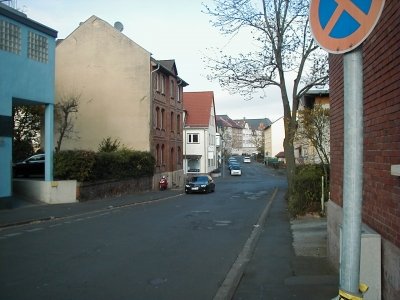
[[172, 89], [178, 94], [157, 82], [158, 122], [162, 154], [158, 155], [10, 37], [172, 122], [162, 84], [178, 124], [193, 138], [38, 47], [162, 119]]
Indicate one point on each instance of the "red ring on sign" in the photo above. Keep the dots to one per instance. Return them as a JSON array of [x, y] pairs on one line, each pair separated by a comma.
[[335, 45]]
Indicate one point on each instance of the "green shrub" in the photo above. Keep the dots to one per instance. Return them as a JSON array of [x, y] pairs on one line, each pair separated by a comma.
[[306, 194], [123, 164], [90, 166], [109, 145], [74, 164]]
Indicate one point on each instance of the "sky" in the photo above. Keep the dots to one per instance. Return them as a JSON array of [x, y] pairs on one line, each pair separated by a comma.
[[173, 29]]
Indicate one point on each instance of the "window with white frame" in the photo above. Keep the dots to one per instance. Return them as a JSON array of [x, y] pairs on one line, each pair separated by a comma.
[[157, 82], [38, 47], [193, 138], [178, 93], [162, 82], [10, 37]]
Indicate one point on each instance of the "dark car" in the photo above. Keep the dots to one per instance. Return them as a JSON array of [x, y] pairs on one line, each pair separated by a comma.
[[200, 184], [33, 165]]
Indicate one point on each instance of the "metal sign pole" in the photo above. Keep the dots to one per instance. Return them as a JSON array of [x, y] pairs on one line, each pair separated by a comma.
[[352, 171]]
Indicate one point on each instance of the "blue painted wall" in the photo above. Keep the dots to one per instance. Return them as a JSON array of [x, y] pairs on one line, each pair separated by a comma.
[[24, 79]]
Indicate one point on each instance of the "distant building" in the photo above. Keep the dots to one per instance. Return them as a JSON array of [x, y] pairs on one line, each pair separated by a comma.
[[200, 151], [27, 55], [274, 135], [231, 134], [304, 150], [253, 135]]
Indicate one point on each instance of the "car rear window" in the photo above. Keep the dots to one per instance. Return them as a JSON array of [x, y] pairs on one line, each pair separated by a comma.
[[199, 179]]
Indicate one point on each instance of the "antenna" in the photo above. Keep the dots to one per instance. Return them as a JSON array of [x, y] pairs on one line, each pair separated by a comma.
[[11, 3], [119, 26]]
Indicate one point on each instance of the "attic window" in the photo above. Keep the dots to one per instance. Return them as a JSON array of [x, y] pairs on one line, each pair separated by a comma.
[[10, 37]]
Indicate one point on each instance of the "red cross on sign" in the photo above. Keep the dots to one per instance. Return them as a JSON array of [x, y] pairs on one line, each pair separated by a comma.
[[340, 26]]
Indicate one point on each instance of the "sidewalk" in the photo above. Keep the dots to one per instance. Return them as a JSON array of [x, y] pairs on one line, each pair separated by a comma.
[[289, 261]]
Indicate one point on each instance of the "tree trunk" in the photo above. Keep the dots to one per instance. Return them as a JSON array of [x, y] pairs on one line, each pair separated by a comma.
[[289, 154]]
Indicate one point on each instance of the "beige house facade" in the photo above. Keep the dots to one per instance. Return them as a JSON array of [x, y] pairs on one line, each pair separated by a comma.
[[124, 93], [273, 138], [304, 150], [111, 76]]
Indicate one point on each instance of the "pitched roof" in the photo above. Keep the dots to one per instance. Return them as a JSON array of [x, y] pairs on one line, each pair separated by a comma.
[[255, 124], [225, 121], [169, 65], [198, 107]]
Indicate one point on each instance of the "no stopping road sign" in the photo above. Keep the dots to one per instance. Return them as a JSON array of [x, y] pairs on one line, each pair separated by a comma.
[[339, 26]]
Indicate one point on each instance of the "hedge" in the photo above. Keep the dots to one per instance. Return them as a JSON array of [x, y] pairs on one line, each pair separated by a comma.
[[306, 194], [91, 166]]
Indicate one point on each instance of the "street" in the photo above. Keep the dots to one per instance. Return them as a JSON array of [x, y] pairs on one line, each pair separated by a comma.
[[178, 248]]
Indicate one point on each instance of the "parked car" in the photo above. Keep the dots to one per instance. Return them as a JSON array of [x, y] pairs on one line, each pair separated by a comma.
[[200, 184], [246, 159], [33, 165], [236, 170]]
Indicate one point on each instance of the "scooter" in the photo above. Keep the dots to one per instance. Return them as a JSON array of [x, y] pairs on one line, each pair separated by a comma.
[[163, 183]]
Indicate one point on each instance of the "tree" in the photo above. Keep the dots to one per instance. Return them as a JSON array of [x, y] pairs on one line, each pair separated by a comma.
[[314, 128], [283, 45], [26, 130], [65, 111], [258, 141]]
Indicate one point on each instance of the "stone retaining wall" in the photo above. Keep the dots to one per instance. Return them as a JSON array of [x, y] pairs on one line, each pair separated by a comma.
[[102, 189]]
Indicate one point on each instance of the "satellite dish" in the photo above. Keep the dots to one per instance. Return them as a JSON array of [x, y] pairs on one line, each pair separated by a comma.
[[119, 26]]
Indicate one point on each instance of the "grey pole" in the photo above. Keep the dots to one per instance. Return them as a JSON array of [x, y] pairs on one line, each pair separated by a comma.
[[352, 171]]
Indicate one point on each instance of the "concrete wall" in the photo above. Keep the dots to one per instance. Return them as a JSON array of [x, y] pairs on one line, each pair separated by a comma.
[[52, 192], [111, 74]]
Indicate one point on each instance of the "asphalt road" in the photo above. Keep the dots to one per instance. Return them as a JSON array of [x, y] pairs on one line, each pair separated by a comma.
[[179, 248]]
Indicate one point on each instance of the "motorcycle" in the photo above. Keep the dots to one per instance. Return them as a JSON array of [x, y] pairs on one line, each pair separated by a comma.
[[163, 183]]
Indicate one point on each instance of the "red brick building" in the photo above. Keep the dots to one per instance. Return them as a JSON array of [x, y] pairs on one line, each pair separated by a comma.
[[381, 186], [167, 129]]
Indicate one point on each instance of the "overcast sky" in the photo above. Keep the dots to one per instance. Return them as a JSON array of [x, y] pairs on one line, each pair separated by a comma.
[[169, 29]]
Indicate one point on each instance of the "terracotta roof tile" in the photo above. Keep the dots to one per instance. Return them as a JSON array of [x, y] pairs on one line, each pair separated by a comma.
[[198, 107]]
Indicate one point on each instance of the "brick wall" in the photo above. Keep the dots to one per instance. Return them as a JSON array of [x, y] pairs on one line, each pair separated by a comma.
[[381, 52]]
